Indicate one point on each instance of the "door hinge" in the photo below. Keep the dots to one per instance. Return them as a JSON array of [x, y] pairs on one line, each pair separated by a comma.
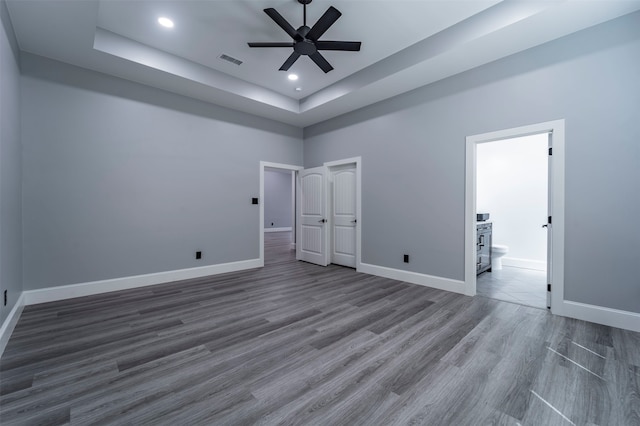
[[550, 151], [549, 220], [548, 287]]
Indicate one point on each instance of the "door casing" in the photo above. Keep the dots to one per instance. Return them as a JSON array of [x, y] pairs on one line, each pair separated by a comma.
[[263, 165], [356, 161], [556, 129]]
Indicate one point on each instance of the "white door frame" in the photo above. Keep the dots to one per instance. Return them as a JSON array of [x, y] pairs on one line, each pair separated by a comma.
[[263, 165], [556, 197], [357, 161]]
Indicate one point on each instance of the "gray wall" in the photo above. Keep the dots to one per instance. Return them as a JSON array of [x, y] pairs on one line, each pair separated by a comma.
[[10, 168], [277, 199], [121, 179], [413, 154]]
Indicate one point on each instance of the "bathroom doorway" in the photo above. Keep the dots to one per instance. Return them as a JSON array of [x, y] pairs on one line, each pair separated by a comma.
[[532, 270], [512, 187]]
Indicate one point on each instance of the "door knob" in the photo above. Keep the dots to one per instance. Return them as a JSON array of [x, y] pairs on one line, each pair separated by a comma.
[[545, 225], [354, 221], [322, 221]]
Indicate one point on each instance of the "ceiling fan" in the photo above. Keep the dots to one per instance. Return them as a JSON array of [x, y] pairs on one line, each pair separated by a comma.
[[305, 39]]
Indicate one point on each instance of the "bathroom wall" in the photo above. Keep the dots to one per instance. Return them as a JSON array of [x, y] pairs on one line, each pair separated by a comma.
[[278, 202], [512, 186]]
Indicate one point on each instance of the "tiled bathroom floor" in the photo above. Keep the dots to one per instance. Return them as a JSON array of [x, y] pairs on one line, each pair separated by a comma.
[[517, 285]]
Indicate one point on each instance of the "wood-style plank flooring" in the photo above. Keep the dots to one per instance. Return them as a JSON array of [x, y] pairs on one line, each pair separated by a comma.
[[294, 343]]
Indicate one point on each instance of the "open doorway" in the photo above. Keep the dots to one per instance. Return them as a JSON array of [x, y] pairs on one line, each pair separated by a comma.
[[326, 205], [279, 213], [277, 206], [512, 193], [554, 226], [279, 201]]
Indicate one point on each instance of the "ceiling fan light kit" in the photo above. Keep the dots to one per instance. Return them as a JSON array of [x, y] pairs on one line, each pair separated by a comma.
[[305, 39]]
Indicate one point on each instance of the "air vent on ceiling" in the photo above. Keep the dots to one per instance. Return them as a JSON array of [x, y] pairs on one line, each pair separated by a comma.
[[230, 59]]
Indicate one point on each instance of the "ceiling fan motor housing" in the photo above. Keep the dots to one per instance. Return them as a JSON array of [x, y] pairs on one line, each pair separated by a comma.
[[304, 46]]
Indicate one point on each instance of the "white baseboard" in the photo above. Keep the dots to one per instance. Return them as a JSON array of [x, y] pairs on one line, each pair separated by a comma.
[[414, 278], [277, 229], [524, 263], [600, 315], [52, 294], [596, 314], [10, 322]]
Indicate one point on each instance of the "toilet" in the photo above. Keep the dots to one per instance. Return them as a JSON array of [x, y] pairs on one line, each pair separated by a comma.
[[497, 252]]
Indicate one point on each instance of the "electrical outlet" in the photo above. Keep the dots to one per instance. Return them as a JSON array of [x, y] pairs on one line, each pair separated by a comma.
[[406, 258], [198, 255]]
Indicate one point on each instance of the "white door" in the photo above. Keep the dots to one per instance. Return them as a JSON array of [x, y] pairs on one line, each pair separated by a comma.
[[548, 225], [312, 216], [343, 217]]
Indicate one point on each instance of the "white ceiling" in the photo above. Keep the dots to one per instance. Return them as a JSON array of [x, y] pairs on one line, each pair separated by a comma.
[[405, 44]]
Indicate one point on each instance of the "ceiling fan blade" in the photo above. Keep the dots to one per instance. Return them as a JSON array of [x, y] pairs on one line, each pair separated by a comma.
[[330, 16], [321, 62], [268, 44], [290, 60], [278, 19], [352, 46]]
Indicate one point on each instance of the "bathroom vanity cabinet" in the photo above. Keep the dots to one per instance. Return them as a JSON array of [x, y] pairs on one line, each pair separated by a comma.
[[483, 247]]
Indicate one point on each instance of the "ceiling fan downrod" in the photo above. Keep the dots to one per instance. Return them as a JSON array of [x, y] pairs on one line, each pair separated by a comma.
[[304, 4], [304, 14]]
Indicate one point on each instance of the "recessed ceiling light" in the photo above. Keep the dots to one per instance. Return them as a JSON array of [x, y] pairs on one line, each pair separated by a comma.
[[293, 77], [165, 22], [298, 89]]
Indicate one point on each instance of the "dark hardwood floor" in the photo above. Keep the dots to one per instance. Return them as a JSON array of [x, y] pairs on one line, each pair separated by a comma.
[[294, 343]]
